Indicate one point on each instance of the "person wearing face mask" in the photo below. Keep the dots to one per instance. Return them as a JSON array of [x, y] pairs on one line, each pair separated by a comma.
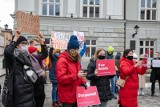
[[155, 74], [39, 85], [129, 72], [69, 74], [110, 51], [101, 82], [53, 55], [17, 58]]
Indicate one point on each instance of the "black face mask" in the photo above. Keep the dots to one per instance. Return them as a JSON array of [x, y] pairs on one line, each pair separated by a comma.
[[101, 57], [130, 57]]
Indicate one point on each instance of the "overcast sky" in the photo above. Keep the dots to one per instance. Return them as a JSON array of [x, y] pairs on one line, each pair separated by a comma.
[[6, 8]]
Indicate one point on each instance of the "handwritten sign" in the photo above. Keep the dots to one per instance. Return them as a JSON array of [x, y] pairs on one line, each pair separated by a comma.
[[155, 63], [87, 97], [61, 39], [28, 23], [106, 67]]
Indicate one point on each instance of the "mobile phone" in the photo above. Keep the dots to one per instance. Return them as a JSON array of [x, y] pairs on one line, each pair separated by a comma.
[[86, 70]]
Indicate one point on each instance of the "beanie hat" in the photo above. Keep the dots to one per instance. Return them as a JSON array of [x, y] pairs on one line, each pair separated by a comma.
[[73, 43], [20, 39], [32, 49], [110, 49], [125, 53]]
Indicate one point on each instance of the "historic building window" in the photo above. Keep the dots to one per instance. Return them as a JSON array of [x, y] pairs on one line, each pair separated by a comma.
[[91, 8], [147, 47], [148, 10], [51, 7], [91, 48]]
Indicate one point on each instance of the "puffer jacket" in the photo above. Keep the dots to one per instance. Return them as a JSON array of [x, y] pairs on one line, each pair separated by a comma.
[[102, 83], [23, 89], [68, 80], [128, 94]]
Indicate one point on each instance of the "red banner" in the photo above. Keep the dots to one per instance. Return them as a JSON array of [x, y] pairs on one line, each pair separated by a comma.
[[87, 97], [106, 67]]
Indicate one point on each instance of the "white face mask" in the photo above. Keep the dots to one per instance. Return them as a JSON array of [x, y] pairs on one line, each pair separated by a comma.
[[24, 47]]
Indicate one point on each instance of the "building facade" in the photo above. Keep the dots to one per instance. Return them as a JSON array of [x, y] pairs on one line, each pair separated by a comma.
[[104, 22], [1, 48]]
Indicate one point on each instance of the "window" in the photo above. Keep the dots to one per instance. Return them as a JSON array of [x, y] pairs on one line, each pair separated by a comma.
[[91, 48], [148, 10], [51, 7], [91, 8], [133, 44], [147, 47]]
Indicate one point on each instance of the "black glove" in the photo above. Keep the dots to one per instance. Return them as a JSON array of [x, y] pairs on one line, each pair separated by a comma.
[[84, 85]]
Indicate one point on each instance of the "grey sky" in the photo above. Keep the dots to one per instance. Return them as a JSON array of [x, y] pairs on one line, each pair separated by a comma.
[[6, 8]]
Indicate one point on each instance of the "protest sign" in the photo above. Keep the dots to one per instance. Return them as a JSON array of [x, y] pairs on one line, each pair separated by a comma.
[[60, 39], [28, 23], [106, 67], [87, 97], [155, 63]]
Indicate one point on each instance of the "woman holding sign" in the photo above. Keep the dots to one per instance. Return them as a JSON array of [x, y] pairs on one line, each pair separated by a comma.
[[102, 82], [129, 72]]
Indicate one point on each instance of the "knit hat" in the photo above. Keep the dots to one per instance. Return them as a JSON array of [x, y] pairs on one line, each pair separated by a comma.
[[110, 49], [32, 49], [125, 53], [20, 39], [73, 43]]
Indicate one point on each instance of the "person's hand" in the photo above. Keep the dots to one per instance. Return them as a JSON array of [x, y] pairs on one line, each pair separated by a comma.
[[116, 68], [96, 72], [17, 34], [139, 63], [81, 74], [40, 37]]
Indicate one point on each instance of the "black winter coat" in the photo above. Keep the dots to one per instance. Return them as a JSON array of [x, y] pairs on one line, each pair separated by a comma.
[[23, 89], [102, 83], [155, 73]]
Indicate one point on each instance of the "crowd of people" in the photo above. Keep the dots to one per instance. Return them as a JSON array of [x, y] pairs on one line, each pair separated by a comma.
[[65, 73]]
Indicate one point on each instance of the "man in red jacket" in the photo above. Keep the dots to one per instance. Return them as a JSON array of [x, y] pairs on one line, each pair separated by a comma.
[[69, 74]]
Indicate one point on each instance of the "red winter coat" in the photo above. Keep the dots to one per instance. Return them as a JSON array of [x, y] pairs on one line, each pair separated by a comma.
[[68, 80], [128, 94]]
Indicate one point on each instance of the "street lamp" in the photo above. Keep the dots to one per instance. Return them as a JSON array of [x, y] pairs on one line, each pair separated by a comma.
[[6, 27], [136, 30]]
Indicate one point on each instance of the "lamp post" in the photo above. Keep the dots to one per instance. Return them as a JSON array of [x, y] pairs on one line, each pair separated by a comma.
[[136, 30]]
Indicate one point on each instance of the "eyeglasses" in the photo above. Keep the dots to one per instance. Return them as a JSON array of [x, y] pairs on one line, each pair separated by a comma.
[[24, 43]]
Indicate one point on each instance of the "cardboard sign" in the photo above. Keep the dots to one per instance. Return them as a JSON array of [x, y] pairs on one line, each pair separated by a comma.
[[106, 67], [87, 97], [28, 23], [80, 35], [155, 63]]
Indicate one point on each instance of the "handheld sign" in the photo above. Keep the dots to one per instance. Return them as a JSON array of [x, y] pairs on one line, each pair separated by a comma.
[[87, 97], [155, 63], [106, 67]]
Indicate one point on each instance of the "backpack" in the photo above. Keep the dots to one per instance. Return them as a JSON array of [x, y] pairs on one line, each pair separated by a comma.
[[7, 92]]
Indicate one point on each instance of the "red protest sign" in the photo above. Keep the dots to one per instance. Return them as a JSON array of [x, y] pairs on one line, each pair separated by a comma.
[[106, 67], [87, 97]]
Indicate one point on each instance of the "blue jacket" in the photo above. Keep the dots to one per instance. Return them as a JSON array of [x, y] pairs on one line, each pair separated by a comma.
[[52, 70]]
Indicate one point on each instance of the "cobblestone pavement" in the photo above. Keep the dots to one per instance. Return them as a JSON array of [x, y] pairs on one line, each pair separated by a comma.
[[143, 101]]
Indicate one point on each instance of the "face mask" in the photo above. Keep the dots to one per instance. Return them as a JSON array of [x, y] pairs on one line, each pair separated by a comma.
[[130, 57], [73, 52], [24, 47], [101, 57], [56, 54]]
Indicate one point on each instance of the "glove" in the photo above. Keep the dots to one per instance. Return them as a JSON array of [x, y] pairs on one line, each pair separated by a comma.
[[84, 85]]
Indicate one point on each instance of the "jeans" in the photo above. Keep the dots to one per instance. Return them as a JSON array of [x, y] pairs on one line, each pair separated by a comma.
[[113, 85], [103, 104], [54, 92]]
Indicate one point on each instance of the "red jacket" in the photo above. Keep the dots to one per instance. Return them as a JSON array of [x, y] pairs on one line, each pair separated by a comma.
[[128, 94], [68, 80]]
